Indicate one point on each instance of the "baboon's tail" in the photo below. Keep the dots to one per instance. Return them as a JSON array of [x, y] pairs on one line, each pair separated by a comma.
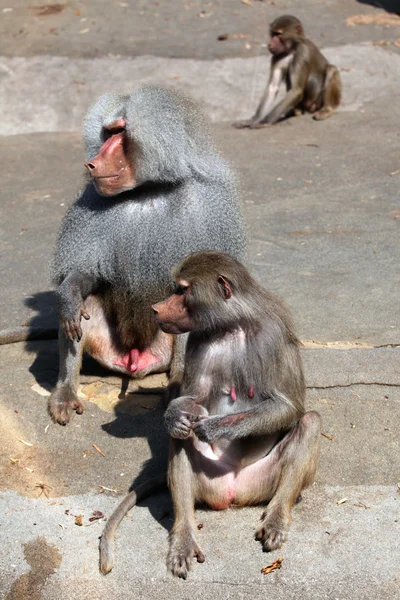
[[107, 537], [26, 334]]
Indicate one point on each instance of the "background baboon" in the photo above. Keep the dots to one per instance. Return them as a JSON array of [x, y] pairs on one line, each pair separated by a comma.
[[312, 84]]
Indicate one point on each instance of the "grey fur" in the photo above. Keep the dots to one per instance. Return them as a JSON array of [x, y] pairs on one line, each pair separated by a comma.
[[198, 209], [185, 200]]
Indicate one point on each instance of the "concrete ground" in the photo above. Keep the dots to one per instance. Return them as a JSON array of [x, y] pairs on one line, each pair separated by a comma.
[[322, 207]]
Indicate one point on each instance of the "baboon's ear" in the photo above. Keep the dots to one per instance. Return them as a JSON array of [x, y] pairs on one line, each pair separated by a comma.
[[226, 288]]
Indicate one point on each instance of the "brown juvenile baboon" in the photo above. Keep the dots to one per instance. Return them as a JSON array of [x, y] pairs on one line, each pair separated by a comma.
[[312, 84], [239, 432], [157, 190]]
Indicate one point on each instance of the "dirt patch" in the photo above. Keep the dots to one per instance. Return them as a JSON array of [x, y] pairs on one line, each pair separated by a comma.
[[373, 19], [44, 10], [133, 398], [44, 559], [23, 467]]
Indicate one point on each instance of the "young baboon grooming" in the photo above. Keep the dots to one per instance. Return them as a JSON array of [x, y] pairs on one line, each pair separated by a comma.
[[158, 190], [239, 432], [312, 84]]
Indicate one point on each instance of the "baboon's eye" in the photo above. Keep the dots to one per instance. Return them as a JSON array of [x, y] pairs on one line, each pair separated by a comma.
[[180, 289]]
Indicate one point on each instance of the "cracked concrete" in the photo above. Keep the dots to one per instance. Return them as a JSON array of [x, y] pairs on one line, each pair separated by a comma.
[[343, 368]]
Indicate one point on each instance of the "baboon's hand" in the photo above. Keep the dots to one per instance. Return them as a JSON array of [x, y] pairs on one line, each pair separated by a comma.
[[70, 315], [179, 423], [209, 429]]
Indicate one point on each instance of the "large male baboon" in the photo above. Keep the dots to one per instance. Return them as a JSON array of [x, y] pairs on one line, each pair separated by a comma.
[[158, 190]]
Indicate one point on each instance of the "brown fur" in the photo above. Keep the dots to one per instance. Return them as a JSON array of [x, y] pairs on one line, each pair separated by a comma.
[[239, 433], [312, 84]]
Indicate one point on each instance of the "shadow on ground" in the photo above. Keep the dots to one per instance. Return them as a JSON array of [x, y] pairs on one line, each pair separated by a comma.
[[151, 426], [388, 5], [136, 415]]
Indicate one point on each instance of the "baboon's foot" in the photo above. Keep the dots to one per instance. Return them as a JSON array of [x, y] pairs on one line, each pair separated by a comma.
[[273, 530], [242, 124], [182, 550], [62, 403], [321, 115], [259, 125]]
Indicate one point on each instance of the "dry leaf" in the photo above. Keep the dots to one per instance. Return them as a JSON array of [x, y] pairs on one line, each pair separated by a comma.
[[79, 520], [45, 10], [98, 449], [97, 514], [44, 489], [107, 489], [26, 443], [14, 460], [272, 566]]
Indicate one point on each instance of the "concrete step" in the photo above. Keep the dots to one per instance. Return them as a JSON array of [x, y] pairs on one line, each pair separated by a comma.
[[343, 544], [229, 89], [362, 447]]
